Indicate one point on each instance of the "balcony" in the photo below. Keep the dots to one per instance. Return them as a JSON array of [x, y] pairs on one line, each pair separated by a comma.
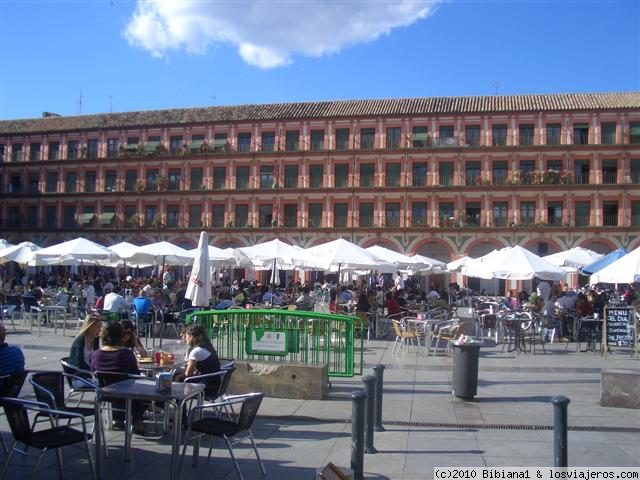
[[610, 220], [445, 142], [366, 222], [292, 146], [291, 182], [609, 178], [499, 180], [581, 178], [367, 144], [473, 178], [554, 221], [315, 222], [315, 182], [500, 221], [446, 179], [392, 181], [393, 143], [392, 222], [582, 220], [419, 222], [291, 221], [340, 222], [419, 181], [342, 144], [342, 182], [366, 181]]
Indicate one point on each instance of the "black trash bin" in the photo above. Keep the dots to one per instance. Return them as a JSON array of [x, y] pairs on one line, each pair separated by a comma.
[[465, 369]]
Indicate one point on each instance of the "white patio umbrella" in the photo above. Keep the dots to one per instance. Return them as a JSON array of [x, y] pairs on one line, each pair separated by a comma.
[[514, 263], [624, 270], [574, 257], [274, 254], [199, 288], [460, 264], [78, 251], [217, 256], [399, 260], [339, 255], [4, 244], [436, 265], [22, 253], [166, 252], [125, 251]]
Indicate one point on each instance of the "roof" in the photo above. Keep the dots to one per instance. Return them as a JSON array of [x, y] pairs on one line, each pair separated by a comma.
[[329, 109]]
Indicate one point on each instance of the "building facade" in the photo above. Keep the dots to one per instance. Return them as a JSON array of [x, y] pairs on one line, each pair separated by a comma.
[[441, 177]]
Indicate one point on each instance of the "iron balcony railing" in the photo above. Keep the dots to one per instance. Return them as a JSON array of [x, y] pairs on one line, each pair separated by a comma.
[[610, 220], [283, 336], [366, 181], [582, 220], [609, 178], [342, 182], [446, 179], [392, 181], [340, 222], [290, 182]]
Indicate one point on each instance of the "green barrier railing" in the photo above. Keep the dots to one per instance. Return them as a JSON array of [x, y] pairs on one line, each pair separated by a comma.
[[287, 336]]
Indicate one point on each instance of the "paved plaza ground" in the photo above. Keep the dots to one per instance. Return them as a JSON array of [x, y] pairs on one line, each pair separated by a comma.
[[508, 424]]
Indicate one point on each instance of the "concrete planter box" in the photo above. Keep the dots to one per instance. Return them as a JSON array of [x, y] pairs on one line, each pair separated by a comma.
[[282, 380], [620, 388]]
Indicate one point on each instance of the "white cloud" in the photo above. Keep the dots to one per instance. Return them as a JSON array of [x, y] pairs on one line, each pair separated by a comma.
[[268, 33]]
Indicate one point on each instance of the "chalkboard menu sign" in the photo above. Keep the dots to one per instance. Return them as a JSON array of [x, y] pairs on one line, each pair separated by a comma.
[[619, 326]]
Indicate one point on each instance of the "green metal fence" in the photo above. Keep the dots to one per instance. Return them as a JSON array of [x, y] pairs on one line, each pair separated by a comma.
[[286, 336]]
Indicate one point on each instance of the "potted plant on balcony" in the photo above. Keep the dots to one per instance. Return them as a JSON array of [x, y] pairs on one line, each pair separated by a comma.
[[140, 186], [156, 222], [160, 183], [134, 220]]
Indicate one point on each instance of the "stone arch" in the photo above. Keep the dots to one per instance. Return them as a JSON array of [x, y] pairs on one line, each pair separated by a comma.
[[228, 243], [599, 245], [481, 247], [435, 248], [187, 243], [383, 242], [534, 246], [141, 240]]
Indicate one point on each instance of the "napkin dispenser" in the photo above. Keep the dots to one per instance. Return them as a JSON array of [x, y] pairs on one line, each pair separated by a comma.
[[163, 382]]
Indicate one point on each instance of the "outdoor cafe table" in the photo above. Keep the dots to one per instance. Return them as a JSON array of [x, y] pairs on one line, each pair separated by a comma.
[[144, 390]]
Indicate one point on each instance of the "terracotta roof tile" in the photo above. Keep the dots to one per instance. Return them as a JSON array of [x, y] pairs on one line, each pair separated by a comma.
[[328, 109]]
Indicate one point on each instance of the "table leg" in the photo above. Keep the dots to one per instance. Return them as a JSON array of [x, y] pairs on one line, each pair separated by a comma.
[[128, 429], [98, 434]]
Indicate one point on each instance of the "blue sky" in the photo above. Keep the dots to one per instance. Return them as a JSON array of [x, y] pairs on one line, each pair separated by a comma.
[[132, 55]]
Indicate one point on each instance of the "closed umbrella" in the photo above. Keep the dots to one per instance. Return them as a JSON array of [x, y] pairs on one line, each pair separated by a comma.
[[199, 288]]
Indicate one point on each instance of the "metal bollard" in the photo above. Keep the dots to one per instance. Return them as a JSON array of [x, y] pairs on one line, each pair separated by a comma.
[[369, 388], [560, 445], [357, 433], [378, 371]]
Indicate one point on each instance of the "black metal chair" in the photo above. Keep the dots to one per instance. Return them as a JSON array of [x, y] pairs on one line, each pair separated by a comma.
[[10, 386], [49, 389], [54, 438], [232, 431], [79, 388]]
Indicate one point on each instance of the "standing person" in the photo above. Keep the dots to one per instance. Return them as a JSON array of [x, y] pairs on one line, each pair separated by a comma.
[[86, 342], [11, 357], [113, 356], [399, 282]]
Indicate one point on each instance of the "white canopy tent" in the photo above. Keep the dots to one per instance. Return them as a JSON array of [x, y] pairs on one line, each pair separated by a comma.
[[514, 263], [624, 270], [460, 264]]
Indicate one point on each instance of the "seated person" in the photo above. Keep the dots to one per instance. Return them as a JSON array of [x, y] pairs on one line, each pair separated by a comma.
[[272, 297], [143, 306], [201, 357], [130, 338], [114, 302], [113, 356], [87, 341], [11, 357], [394, 311], [225, 302], [305, 301]]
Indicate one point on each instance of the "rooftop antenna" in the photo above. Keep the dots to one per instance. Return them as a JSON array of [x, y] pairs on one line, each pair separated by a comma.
[[79, 109], [496, 84]]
